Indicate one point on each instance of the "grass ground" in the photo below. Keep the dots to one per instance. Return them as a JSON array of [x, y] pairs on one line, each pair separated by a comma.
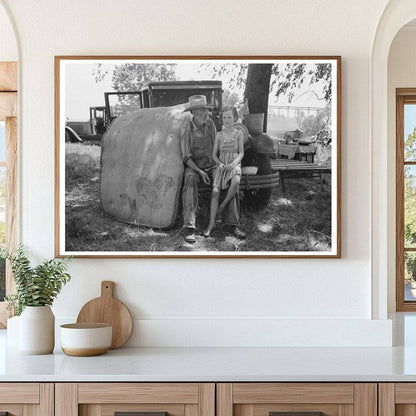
[[299, 220]]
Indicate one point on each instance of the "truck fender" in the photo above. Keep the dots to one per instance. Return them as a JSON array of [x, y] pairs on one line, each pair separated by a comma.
[[71, 135]]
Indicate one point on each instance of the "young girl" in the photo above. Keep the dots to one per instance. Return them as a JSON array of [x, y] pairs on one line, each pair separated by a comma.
[[227, 153]]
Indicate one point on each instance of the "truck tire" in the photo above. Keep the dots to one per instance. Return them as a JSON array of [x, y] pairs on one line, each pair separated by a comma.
[[258, 199]]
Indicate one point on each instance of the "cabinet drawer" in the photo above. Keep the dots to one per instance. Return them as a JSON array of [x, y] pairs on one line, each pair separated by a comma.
[[296, 399], [107, 399]]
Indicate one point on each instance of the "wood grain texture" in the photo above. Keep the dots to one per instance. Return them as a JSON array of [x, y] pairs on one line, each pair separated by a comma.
[[31, 410], [246, 410], [345, 410], [400, 203], [27, 393], [264, 409], [386, 399], [90, 410], [66, 399], [11, 206], [138, 393], [339, 159], [11, 196], [8, 105], [84, 352], [365, 399], [47, 399], [8, 76], [207, 399], [404, 96], [405, 393], [191, 410], [405, 91], [171, 409], [57, 156], [107, 309], [252, 393], [224, 399]]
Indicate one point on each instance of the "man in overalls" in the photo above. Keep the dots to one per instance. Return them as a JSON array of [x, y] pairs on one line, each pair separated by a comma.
[[197, 145]]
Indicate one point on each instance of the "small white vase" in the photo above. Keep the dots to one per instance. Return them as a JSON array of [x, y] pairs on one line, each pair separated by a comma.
[[37, 330], [13, 331]]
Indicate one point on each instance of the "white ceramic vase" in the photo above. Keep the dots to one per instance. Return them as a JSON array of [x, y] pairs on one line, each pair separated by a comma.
[[13, 331], [37, 330]]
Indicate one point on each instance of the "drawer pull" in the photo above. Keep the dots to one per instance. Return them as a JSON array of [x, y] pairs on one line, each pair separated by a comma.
[[296, 414], [139, 414]]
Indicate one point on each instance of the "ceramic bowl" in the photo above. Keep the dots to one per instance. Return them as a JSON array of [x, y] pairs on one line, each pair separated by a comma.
[[83, 340]]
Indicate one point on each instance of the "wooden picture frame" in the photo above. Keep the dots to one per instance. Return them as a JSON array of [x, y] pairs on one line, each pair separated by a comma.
[[121, 124]]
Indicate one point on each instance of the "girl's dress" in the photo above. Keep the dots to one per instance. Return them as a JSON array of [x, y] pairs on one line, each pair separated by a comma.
[[228, 151]]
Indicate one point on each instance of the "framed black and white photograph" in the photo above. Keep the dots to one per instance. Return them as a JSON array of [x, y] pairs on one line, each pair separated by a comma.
[[198, 156]]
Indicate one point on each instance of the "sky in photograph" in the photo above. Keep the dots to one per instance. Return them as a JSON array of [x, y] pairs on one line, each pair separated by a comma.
[[83, 92], [409, 119], [2, 170], [2, 141]]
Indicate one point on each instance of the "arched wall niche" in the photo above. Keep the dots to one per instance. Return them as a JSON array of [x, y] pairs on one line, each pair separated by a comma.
[[9, 50], [401, 74], [396, 14]]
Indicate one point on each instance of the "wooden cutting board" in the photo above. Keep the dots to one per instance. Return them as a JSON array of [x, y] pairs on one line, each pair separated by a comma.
[[107, 309]]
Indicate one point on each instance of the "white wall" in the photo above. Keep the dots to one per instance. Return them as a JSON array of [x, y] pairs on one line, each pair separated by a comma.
[[180, 301], [8, 47], [401, 74]]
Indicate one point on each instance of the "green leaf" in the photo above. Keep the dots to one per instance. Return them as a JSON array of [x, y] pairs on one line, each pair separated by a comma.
[[35, 286]]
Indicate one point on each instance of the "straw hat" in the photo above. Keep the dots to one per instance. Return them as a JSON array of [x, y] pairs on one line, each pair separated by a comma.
[[197, 101]]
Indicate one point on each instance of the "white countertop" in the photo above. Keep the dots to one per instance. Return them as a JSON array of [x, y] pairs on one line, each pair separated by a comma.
[[222, 364], [213, 364]]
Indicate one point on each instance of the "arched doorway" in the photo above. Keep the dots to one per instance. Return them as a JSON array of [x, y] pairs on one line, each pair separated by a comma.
[[396, 14]]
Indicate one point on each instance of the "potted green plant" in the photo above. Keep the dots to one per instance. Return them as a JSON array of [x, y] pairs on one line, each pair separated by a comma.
[[36, 289]]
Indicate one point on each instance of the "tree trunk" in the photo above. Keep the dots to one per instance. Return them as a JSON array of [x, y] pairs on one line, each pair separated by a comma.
[[257, 89]]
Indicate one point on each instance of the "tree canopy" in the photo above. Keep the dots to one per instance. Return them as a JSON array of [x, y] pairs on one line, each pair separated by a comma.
[[132, 76], [293, 76], [285, 78], [410, 146], [410, 191]]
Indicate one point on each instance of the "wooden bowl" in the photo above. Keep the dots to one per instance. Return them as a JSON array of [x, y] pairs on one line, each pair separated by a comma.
[[84, 340]]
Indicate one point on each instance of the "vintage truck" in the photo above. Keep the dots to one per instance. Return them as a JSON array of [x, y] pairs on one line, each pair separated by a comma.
[[141, 153]]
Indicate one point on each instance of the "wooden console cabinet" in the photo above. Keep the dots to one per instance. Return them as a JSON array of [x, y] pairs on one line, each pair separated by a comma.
[[27, 399]]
